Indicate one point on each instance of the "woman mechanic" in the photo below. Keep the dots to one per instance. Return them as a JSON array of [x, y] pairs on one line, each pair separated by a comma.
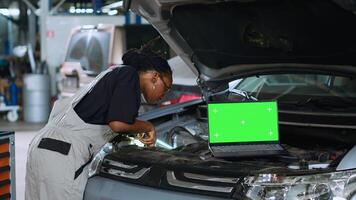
[[58, 157]]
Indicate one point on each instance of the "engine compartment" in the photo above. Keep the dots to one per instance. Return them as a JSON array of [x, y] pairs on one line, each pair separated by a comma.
[[187, 132], [181, 161]]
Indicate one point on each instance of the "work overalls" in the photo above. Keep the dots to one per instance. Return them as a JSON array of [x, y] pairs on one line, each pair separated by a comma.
[[58, 157]]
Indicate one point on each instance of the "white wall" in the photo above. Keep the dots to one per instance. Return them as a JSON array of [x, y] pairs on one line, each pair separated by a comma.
[[58, 30]]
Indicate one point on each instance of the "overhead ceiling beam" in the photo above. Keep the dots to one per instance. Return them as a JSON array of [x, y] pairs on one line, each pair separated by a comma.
[[114, 5], [54, 9], [30, 5]]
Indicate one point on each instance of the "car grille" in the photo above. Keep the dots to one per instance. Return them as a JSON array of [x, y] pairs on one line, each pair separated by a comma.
[[159, 177], [120, 169], [201, 182]]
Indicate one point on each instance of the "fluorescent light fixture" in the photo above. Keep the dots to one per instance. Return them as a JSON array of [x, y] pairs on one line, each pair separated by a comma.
[[72, 10], [4, 11], [15, 12], [105, 10], [11, 12], [112, 12], [89, 10]]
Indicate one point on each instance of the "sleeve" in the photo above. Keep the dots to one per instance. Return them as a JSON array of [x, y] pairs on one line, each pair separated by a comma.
[[125, 100]]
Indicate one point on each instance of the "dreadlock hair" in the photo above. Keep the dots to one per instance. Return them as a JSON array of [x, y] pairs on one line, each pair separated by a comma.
[[145, 59]]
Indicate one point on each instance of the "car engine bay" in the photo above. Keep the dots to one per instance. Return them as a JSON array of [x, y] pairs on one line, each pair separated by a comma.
[[187, 132]]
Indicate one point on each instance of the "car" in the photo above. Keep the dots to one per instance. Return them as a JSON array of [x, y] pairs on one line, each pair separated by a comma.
[[298, 53], [80, 66]]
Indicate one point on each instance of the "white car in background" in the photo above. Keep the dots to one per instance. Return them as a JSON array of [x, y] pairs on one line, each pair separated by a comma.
[[90, 50]]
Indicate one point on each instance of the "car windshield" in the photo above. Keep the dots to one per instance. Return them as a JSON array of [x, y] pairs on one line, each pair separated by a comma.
[[91, 49], [301, 89]]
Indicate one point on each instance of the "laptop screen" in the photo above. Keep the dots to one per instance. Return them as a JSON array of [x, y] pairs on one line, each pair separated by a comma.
[[243, 122]]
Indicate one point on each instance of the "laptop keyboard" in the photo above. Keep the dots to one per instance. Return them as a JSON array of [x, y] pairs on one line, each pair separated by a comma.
[[249, 147]]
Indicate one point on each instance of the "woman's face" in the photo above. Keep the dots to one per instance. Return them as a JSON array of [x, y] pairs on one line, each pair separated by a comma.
[[155, 85]]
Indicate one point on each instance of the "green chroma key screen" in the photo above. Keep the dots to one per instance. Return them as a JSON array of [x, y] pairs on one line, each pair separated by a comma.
[[243, 122]]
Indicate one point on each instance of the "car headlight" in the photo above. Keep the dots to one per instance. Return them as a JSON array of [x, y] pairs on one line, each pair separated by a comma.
[[95, 164], [336, 186]]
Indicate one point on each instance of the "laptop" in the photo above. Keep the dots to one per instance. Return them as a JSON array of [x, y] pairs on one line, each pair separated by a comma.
[[240, 129]]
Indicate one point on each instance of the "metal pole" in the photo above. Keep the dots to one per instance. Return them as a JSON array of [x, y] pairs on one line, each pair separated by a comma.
[[127, 18], [44, 5], [138, 19], [10, 36], [97, 5], [32, 29]]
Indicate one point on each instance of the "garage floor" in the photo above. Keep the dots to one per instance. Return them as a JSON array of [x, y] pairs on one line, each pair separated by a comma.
[[24, 132]]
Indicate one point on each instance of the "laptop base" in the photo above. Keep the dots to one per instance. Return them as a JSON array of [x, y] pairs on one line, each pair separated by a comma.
[[247, 154]]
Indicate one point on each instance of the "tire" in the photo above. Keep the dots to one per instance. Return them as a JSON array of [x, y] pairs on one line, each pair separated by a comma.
[[12, 116]]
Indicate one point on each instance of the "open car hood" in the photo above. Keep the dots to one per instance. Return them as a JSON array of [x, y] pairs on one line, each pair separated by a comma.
[[219, 39]]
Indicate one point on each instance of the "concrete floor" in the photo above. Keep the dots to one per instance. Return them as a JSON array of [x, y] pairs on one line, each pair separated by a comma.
[[24, 132]]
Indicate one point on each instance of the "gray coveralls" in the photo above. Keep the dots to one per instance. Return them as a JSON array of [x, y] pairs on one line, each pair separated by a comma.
[[58, 157]]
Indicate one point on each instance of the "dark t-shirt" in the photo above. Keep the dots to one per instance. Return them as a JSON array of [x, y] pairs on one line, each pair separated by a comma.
[[116, 97]]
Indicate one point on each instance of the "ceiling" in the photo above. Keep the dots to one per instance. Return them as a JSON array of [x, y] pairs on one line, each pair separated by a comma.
[[66, 4]]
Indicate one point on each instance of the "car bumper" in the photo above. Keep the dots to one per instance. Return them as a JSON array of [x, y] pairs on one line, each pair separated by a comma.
[[99, 188]]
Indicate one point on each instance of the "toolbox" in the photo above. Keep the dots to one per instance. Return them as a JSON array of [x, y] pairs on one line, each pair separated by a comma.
[[7, 165]]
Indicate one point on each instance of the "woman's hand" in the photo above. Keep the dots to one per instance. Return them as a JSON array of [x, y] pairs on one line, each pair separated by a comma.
[[149, 138]]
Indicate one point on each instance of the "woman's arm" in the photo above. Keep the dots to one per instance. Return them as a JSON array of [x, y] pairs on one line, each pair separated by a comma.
[[137, 127]]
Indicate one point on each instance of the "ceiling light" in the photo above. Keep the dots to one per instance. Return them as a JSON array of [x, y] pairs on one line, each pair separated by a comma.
[[105, 10], [89, 10], [4, 11], [72, 9], [112, 12]]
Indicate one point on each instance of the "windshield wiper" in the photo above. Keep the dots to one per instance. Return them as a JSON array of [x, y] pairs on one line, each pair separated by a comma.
[[244, 94]]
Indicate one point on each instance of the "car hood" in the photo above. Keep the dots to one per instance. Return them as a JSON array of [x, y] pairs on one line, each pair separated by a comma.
[[182, 74], [219, 39]]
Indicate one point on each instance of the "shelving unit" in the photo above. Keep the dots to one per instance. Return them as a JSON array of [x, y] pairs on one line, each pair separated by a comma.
[[7, 165]]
